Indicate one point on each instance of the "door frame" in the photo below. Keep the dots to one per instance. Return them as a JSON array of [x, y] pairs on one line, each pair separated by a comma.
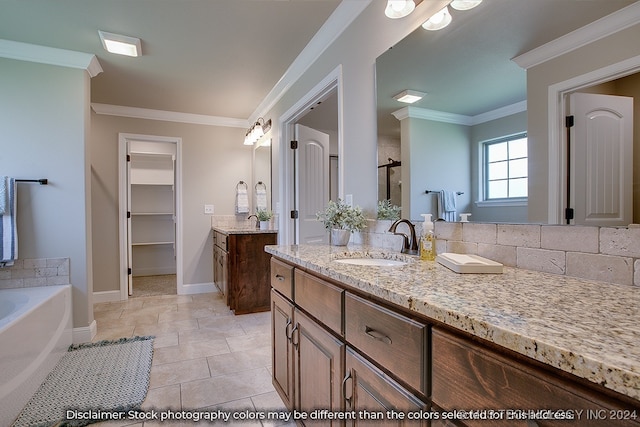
[[123, 139], [556, 109], [288, 230]]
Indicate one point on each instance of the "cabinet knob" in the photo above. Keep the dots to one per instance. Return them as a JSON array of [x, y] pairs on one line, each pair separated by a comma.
[[280, 277]]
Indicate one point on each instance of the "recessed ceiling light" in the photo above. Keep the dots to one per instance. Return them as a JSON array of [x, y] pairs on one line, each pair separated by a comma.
[[409, 96], [119, 44]]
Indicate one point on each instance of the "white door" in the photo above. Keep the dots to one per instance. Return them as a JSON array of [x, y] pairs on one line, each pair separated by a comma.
[[313, 183], [601, 182]]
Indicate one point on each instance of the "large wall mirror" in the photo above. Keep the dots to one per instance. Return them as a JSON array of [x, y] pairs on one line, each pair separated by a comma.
[[474, 94], [262, 174]]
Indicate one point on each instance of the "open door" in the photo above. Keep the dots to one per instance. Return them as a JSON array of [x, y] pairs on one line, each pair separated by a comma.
[[600, 183], [313, 183]]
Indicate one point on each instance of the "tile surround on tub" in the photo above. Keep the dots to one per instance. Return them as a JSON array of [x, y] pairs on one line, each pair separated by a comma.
[[35, 272]]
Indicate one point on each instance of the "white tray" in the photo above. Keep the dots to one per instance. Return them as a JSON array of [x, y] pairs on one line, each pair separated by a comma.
[[464, 263]]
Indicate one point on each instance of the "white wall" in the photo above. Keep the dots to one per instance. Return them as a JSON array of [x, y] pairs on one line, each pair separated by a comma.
[[44, 114]]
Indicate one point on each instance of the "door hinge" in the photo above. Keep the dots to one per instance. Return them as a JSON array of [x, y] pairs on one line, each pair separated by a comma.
[[129, 272], [294, 214], [294, 145], [128, 158], [568, 121], [128, 215], [568, 214]]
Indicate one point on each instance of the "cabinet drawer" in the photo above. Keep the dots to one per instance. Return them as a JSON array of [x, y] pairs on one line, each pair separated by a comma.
[[320, 299], [467, 376], [221, 240], [282, 278], [397, 343]]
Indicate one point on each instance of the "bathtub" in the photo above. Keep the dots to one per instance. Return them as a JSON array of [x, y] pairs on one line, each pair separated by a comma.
[[35, 332]]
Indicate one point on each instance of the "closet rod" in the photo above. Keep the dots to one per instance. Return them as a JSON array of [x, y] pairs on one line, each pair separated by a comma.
[[42, 181]]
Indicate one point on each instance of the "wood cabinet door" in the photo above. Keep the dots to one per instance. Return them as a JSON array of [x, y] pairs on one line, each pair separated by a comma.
[[367, 388], [282, 350], [319, 367]]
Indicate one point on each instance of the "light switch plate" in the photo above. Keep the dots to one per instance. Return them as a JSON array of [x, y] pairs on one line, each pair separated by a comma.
[[208, 209]]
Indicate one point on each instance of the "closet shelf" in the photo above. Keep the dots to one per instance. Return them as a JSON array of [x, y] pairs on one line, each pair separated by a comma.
[[151, 243], [151, 213]]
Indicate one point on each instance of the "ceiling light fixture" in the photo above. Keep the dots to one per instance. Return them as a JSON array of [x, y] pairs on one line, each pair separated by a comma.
[[119, 44], [255, 132], [464, 4], [438, 21], [409, 96], [399, 8]]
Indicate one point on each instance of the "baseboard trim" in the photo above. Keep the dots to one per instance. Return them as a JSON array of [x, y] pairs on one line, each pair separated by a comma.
[[196, 288], [85, 334], [106, 296]]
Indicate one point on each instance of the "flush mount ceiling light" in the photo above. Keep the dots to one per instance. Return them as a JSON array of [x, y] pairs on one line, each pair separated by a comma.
[[119, 44], [438, 21], [409, 96], [399, 8], [257, 131], [464, 4]]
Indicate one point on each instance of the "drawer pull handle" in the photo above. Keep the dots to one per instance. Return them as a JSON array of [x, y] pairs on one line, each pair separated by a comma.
[[286, 330], [376, 335], [344, 389], [280, 278], [293, 331]]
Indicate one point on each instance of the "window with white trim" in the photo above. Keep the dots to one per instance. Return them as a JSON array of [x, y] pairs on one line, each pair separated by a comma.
[[505, 168]]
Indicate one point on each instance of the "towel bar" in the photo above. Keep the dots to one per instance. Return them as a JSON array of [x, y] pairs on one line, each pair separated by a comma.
[[42, 181], [459, 193]]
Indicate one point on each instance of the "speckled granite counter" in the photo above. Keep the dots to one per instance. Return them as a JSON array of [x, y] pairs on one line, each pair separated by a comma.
[[242, 230], [589, 329]]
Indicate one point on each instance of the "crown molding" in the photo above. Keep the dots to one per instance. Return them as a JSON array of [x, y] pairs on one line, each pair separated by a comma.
[[603, 27], [459, 119], [346, 12], [50, 55], [167, 116]]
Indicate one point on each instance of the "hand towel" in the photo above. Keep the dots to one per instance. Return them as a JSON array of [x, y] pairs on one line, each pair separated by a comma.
[[4, 193], [447, 205], [261, 199], [242, 201], [8, 232]]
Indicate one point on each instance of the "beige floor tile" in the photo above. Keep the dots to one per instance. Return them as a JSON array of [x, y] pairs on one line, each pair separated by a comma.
[[247, 342], [239, 361], [271, 404], [178, 372], [184, 314], [190, 350], [166, 327], [162, 398], [225, 388], [113, 333], [166, 340]]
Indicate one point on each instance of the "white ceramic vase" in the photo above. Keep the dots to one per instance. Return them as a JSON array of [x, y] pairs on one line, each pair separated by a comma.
[[264, 225], [340, 237]]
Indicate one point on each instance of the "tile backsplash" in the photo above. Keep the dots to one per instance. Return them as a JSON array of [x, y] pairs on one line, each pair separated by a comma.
[[605, 254], [35, 272]]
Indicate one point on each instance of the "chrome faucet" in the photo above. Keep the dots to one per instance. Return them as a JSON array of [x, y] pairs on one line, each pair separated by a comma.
[[408, 247], [257, 221]]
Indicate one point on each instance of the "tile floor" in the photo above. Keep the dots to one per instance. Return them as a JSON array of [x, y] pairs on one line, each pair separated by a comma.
[[204, 357]]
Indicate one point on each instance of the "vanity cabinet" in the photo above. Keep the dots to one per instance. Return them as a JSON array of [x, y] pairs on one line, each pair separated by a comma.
[[243, 269], [468, 375], [337, 348]]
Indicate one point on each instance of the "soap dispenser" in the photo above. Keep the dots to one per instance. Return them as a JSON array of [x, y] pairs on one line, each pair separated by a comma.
[[428, 240]]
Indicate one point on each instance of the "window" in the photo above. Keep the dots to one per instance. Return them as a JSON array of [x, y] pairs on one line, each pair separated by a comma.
[[505, 168]]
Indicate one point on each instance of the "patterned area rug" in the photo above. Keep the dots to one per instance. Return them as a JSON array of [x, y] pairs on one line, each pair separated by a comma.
[[107, 376]]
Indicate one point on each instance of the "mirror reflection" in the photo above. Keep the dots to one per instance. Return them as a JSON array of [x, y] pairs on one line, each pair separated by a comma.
[[467, 134], [262, 174]]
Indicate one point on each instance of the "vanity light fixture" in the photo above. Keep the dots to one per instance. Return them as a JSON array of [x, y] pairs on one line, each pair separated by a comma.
[[464, 4], [119, 44], [438, 21], [255, 132], [399, 8], [409, 96]]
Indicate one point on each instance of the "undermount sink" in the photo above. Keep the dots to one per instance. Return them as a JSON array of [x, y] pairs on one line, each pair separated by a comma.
[[378, 262]]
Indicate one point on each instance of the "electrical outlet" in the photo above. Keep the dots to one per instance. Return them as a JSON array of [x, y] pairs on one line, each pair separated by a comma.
[[348, 200], [208, 209]]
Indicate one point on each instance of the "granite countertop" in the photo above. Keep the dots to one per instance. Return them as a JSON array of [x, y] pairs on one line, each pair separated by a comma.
[[589, 329], [242, 230]]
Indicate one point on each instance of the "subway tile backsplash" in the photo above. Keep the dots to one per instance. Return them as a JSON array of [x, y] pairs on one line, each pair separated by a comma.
[[35, 272], [605, 254]]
